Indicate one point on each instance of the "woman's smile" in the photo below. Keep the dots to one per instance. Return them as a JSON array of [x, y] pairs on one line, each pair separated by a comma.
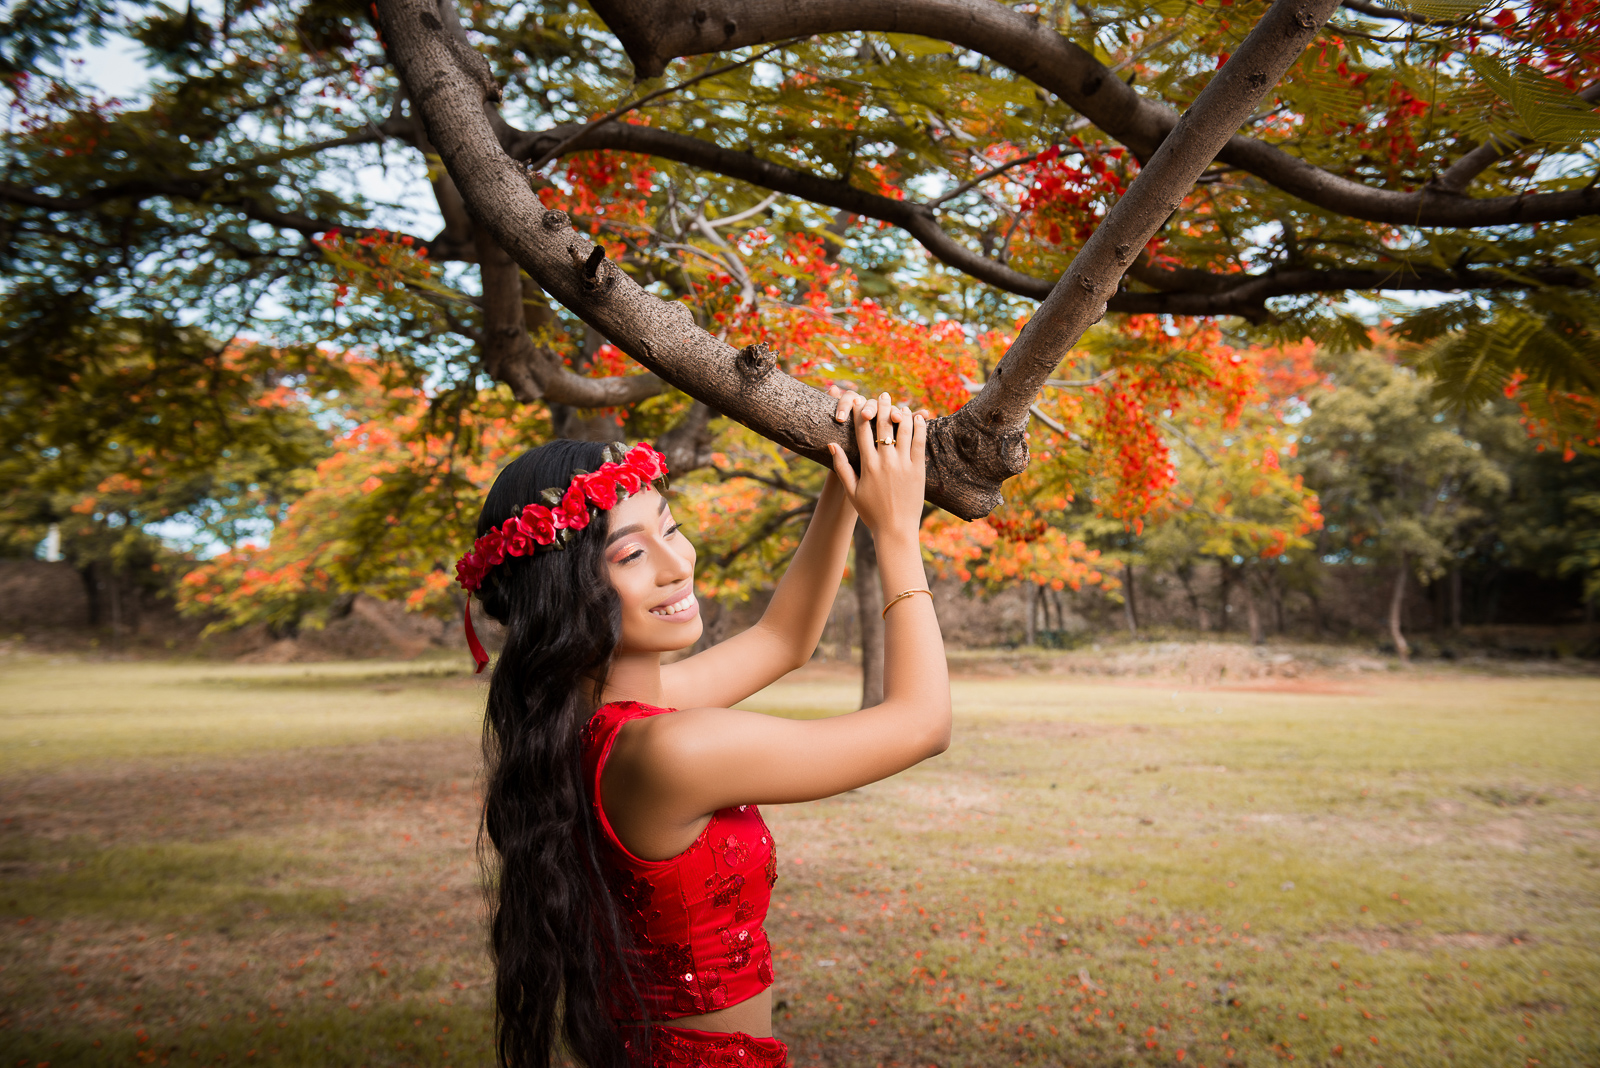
[[682, 610]]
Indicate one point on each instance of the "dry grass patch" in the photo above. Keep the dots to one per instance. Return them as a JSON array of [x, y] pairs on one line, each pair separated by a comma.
[[284, 873]]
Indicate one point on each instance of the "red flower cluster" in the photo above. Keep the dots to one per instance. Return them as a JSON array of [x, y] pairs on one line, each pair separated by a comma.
[[541, 525]]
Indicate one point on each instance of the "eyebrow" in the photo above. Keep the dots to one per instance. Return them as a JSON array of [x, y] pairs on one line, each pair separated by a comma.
[[632, 528]]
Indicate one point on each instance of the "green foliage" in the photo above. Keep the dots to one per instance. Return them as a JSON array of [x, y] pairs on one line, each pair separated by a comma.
[[1396, 477], [136, 422]]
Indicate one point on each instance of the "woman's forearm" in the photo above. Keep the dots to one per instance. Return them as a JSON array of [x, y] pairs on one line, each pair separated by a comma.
[[915, 678], [804, 596]]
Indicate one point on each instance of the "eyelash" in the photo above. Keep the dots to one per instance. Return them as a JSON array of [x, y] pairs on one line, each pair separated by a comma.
[[631, 557]]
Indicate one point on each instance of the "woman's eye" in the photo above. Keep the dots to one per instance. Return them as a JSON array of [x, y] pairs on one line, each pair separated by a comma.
[[670, 531], [631, 557]]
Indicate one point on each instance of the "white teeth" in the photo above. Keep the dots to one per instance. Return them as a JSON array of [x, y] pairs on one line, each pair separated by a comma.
[[675, 607]]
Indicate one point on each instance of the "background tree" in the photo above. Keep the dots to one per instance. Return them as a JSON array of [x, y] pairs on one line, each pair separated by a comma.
[[138, 437], [1398, 483]]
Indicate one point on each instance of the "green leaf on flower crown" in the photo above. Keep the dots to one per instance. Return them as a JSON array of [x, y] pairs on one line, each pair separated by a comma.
[[551, 496]]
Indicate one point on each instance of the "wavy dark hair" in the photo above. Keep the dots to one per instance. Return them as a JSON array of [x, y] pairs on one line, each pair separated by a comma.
[[560, 946]]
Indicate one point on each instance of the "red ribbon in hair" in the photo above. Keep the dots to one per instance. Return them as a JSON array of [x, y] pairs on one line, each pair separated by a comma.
[[479, 657]]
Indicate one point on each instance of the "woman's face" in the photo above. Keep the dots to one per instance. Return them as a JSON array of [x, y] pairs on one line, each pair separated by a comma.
[[651, 565]]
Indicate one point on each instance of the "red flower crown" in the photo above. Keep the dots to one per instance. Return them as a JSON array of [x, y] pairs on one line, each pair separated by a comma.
[[552, 524]]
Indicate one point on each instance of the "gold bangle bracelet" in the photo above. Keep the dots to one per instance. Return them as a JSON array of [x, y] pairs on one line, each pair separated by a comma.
[[897, 598]]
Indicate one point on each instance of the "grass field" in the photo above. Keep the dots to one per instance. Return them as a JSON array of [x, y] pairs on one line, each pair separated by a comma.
[[210, 864]]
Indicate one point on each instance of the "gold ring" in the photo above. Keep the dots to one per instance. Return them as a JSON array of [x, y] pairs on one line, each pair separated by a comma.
[[882, 441]]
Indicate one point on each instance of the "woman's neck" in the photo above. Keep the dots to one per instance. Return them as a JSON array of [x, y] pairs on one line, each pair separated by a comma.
[[634, 677]]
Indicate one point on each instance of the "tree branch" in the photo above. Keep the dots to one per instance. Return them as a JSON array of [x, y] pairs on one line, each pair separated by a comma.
[[654, 34], [1378, 11], [571, 143], [1079, 299], [1460, 174], [970, 453]]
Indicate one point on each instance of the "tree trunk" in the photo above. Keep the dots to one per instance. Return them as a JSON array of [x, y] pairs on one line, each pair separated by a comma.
[[1397, 604], [1275, 595], [1455, 598], [90, 574], [1031, 629], [1226, 587], [116, 608], [1130, 609], [869, 606], [1252, 612], [1185, 573]]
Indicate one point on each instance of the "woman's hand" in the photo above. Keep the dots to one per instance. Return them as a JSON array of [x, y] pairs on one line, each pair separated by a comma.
[[893, 444]]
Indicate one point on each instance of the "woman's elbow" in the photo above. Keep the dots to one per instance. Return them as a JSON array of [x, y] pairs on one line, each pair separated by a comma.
[[938, 737]]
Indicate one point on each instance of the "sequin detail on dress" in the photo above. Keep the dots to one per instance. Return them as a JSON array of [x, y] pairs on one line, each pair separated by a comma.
[[697, 917], [682, 1047]]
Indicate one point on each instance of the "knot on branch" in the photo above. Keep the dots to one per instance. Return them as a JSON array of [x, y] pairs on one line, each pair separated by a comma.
[[555, 220], [1258, 80], [591, 267], [996, 454], [755, 362]]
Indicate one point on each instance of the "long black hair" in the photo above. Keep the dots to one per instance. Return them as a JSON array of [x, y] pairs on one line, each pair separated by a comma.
[[560, 946]]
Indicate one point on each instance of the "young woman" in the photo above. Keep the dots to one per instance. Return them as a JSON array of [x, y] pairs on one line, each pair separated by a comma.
[[633, 870]]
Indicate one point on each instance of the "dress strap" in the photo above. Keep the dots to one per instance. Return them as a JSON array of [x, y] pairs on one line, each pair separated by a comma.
[[599, 735]]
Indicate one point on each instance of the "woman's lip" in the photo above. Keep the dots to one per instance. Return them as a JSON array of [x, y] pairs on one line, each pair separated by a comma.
[[683, 615]]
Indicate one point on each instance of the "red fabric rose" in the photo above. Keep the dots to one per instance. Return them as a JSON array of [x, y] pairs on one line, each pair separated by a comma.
[[601, 489], [491, 549], [645, 460], [518, 537], [574, 509], [628, 480], [469, 571], [541, 522]]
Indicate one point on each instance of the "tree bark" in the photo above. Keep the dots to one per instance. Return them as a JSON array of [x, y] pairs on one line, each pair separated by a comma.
[[1031, 599], [1252, 610], [1225, 588], [1455, 598], [1130, 608], [869, 605], [1397, 601], [970, 454]]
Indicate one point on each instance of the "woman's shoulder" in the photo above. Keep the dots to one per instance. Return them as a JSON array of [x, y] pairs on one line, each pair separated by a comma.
[[609, 718]]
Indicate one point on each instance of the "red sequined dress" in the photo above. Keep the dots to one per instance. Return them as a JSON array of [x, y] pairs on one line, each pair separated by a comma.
[[697, 917]]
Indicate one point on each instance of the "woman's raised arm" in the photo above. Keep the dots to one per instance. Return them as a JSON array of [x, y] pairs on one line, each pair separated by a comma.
[[684, 766], [788, 631]]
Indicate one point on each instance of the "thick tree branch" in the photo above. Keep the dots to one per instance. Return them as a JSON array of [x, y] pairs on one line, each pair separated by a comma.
[[253, 205], [654, 34], [662, 336], [536, 372], [916, 219], [585, 130], [1378, 11], [970, 453], [687, 445]]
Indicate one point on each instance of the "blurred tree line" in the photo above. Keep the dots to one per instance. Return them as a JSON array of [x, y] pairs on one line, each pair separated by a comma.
[[169, 486]]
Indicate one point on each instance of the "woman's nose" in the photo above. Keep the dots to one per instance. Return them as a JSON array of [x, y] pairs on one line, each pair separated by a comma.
[[674, 568]]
